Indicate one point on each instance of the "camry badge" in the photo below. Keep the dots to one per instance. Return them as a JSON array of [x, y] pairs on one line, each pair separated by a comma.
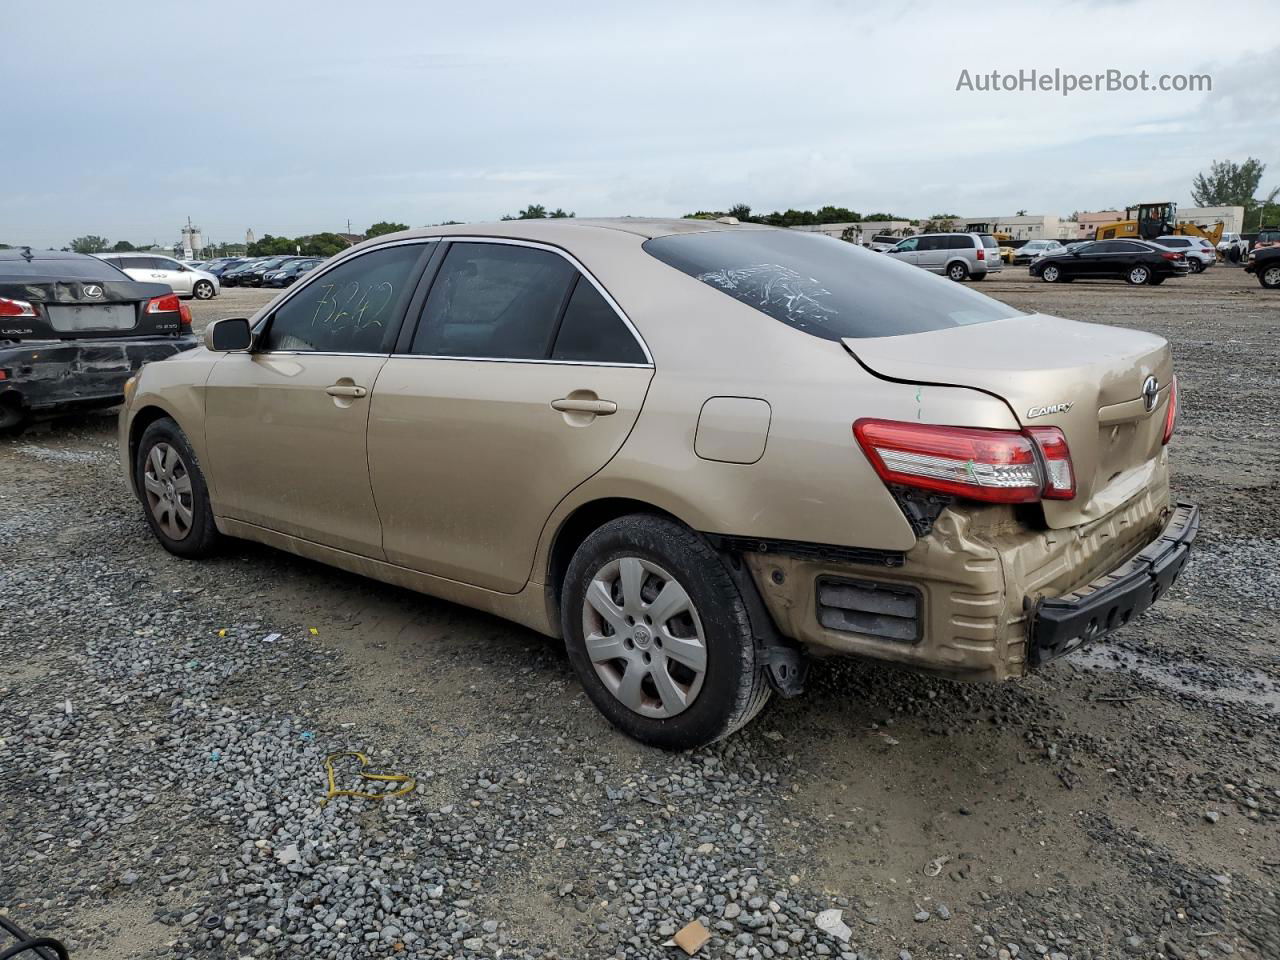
[[1051, 408], [92, 291], [1150, 393]]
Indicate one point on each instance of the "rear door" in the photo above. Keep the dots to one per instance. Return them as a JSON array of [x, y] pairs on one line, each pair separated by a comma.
[[285, 425], [520, 381]]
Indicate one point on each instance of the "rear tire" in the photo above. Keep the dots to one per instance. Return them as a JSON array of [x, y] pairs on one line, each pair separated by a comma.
[[1269, 277], [203, 290], [1196, 265], [13, 418], [958, 272], [174, 495], [1139, 275], [641, 673]]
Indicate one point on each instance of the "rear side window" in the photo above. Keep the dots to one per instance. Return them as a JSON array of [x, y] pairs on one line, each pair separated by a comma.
[[961, 242], [353, 308], [932, 243], [494, 301], [823, 286], [989, 241], [592, 331]]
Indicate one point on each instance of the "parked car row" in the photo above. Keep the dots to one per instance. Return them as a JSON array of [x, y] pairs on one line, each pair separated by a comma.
[[267, 271]]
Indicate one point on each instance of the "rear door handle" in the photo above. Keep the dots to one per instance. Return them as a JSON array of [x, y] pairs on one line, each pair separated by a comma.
[[346, 390], [601, 408]]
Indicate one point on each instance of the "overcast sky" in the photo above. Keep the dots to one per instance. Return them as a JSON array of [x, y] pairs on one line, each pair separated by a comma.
[[123, 119]]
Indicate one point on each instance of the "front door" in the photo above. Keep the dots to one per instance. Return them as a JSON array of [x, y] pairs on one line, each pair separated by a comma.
[[521, 381], [906, 251], [286, 425]]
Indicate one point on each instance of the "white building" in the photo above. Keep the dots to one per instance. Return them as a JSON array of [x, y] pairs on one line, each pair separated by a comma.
[[1038, 226], [863, 231], [1231, 218]]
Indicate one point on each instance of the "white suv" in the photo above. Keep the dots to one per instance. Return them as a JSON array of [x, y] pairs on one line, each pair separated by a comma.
[[1200, 253], [183, 279]]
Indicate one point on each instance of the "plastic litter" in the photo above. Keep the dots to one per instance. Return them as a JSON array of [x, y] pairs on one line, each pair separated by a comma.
[[409, 782], [830, 922]]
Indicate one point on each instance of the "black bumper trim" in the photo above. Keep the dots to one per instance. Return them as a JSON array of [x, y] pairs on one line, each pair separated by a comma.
[[1061, 624]]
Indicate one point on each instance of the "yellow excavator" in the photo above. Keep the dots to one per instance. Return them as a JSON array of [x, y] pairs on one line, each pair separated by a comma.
[[1155, 220]]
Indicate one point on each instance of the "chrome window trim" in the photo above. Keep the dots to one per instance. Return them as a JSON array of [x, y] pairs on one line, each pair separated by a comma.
[[577, 264]]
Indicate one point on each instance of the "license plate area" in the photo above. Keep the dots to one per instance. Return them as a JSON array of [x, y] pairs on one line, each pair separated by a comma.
[[93, 317]]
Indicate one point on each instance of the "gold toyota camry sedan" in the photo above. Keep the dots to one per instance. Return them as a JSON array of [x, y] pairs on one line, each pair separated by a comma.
[[699, 452]]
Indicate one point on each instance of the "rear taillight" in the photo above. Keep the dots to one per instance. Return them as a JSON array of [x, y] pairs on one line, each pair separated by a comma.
[[1055, 455], [1171, 411], [16, 308], [1172, 256], [982, 254], [166, 304], [996, 466], [184, 314]]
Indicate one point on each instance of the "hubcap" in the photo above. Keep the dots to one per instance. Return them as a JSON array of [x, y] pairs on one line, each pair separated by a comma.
[[644, 637], [1051, 274], [1272, 276], [1139, 275], [167, 484]]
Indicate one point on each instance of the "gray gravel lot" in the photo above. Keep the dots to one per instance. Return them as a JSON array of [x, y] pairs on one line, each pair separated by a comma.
[[162, 760]]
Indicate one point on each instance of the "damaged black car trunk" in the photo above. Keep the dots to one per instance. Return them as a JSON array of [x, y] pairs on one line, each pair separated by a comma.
[[74, 328]]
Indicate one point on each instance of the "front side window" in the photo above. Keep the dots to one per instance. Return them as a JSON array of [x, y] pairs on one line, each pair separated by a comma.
[[353, 308], [823, 286], [494, 301], [906, 246]]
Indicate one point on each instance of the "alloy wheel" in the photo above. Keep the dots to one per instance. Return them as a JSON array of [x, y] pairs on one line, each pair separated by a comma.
[[1050, 274], [167, 484], [644, 637], [1271, 277], [1138, 275], [204, 291]]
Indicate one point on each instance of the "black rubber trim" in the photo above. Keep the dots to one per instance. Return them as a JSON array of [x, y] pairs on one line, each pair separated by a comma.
[[899, 589], [1061, 624], [827, 552]]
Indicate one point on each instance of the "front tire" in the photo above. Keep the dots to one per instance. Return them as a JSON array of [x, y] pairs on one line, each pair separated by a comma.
[[958, 272], [1139, 275], [1050, 274], [174, 495], [659, 636], [203, 290]]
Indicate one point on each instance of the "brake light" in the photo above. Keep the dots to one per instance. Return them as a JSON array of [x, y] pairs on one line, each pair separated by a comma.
[[1172, 256], [1171, 411], [1055, 455], [982, 254], [16, 308], [166, 304], [184, 314]]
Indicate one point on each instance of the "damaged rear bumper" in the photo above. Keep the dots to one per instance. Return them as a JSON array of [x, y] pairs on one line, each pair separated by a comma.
[[1060, 624], [49, 375]]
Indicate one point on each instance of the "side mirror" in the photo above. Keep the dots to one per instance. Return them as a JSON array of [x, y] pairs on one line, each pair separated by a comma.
[[228, 335]]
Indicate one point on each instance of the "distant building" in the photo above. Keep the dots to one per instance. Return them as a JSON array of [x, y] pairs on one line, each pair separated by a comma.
[[248, 238], [1231, 218], [351, 238], [1087, 223], [1039, 226], [863, 231]]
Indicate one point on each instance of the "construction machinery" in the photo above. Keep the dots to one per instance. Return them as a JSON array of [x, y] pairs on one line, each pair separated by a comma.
[[1150, 220]]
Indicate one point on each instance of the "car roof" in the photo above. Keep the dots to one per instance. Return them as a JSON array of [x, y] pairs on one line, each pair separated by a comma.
[[548, 228], [29, 253]]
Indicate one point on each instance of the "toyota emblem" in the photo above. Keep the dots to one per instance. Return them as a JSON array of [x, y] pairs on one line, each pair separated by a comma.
[[92, 291], [1150, 393]]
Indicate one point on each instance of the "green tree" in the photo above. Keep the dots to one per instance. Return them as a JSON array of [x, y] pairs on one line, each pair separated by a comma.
[[269, 246], [92, 243], [385, 226], [122, 246], [741, 211], [1021, 213], [321, 244], [940, 223], [1229, 184], [559, 214]]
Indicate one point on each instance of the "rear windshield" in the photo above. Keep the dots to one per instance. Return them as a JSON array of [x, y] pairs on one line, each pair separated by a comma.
[[824, 286], [90, 268]]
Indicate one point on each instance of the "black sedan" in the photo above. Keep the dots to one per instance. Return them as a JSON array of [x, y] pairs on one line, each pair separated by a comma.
[[1264, 263], [285, 274], [74, 328], [1134, 261]]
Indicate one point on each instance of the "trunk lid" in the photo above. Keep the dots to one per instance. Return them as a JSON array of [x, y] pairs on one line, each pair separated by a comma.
[[68, 309], [1084, 378]]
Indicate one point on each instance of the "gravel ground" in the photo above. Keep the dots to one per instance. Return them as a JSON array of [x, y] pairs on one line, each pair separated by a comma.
[[164, 724]]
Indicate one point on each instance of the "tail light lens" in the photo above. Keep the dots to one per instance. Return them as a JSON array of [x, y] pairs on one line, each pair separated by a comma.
[[995, 466], [166, 304], [1171, 411], [982, 253], [1055, 455], [184, 314], [1172, 256], [16, 308]]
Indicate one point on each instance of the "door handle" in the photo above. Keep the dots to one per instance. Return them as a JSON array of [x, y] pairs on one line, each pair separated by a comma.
[[345, 390], [601, 408]]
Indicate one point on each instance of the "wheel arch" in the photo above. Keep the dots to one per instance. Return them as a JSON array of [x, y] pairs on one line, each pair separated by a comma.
[[576, 526], [145, 416]]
